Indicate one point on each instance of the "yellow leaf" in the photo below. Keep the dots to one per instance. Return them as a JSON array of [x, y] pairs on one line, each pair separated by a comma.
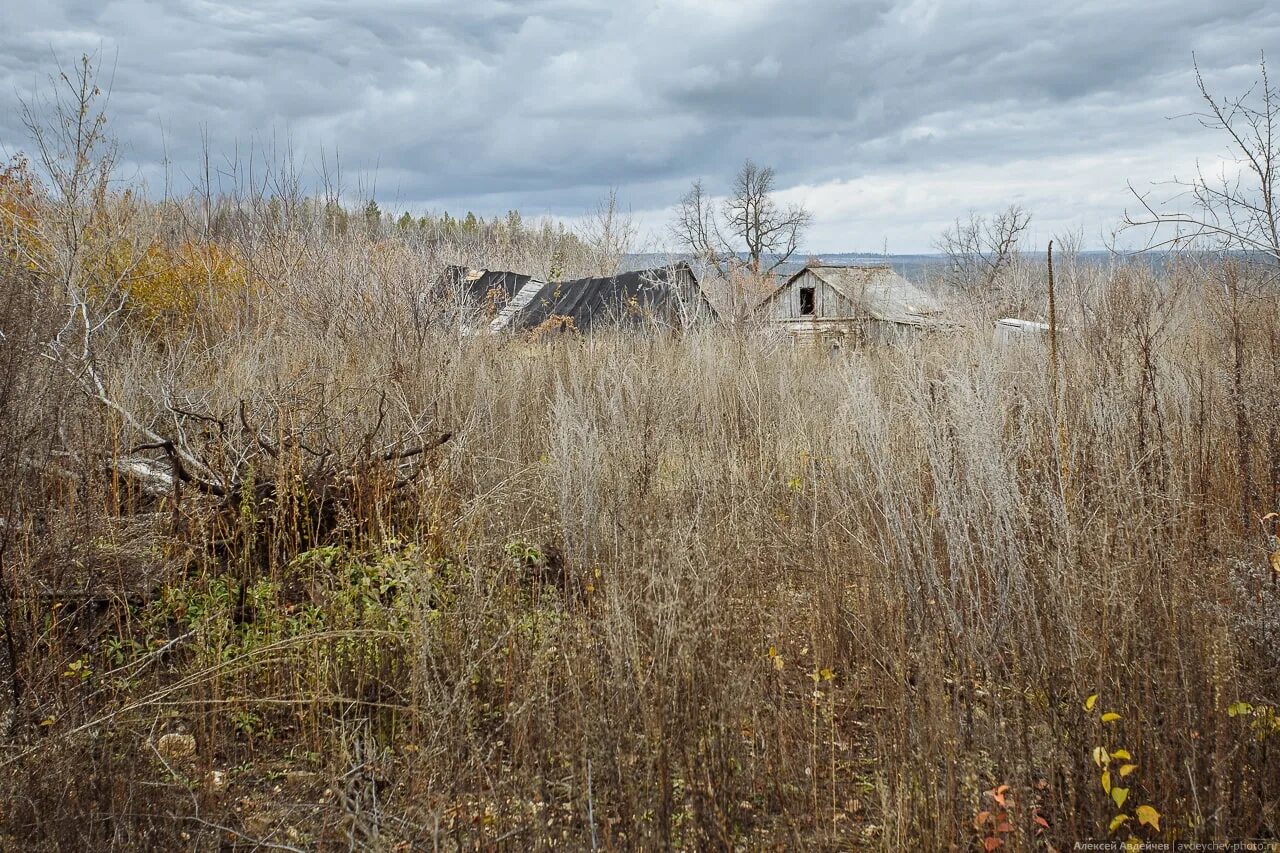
[[1123, 754], [1117, 822], [1126, 769], [1090, 702], [1274, 559], [1148, 816], [1106, 781], [1110, 717], [1100, 756], [1119, 795]]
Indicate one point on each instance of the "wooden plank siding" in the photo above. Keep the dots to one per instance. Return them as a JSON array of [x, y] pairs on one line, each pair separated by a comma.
[[853, 306], [835, 319], [828, 302]]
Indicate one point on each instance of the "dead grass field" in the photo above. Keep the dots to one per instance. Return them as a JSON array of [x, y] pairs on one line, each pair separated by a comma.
[[697, 590], [287, 561]]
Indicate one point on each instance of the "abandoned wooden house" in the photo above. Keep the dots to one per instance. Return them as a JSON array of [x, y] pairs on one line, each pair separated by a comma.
[[667, 296], [852, 305]]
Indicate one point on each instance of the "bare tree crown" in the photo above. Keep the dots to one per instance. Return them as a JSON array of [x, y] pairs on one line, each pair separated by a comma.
[[979, 250], [1233, 208], [750, 222]]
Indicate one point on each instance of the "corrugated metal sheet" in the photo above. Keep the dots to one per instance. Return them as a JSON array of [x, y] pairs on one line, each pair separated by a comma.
[[1011, 330]]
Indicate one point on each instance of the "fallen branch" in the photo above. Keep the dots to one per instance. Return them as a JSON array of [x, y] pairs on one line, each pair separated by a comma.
[[419, 450], [180, 470]]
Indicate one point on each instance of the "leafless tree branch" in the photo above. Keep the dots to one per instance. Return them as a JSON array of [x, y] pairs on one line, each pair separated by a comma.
[[1234, 209]]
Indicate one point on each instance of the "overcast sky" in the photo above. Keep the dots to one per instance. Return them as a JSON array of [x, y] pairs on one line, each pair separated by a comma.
[[888, 119]]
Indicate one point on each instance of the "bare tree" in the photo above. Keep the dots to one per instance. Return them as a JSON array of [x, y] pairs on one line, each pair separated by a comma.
[[756, 218], [84, 241], [87, 243], [608, 235], [979, 250], [697, 229], [67, 128], [749, 223], [1234, 208]]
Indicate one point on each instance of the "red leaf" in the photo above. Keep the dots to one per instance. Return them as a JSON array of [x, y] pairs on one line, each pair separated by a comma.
[[1042, 821], [991, 844], [1005, 827], [980, 819]]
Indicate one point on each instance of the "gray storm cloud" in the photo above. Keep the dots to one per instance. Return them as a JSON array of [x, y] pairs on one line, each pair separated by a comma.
[[544, 104]]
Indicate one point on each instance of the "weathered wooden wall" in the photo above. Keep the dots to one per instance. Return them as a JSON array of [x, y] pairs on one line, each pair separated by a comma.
[[828, 303]]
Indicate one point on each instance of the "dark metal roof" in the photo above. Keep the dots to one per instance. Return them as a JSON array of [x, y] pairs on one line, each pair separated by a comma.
[[668, 294], [478, 285]]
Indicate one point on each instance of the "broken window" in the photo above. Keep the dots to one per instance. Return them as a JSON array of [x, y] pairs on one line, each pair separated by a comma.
[[808, 301]]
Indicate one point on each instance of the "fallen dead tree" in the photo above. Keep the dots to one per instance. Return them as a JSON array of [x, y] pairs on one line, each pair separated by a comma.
[[300, 480], [287, 450], [180, 467]]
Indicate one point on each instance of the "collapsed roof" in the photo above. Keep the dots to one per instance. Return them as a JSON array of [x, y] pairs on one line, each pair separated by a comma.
[[667, 294], [483, 285]]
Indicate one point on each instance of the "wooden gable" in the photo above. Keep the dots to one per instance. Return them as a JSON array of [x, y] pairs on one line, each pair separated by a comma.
[[828, 303]]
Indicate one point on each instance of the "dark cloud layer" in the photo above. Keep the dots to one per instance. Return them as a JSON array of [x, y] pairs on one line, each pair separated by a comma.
[[861, 105]]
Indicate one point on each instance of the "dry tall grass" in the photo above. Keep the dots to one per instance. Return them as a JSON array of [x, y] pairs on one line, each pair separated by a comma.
[[289, 561], [689, 590]]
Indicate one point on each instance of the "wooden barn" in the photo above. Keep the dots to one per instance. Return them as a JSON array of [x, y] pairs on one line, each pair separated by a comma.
[[852, 305]]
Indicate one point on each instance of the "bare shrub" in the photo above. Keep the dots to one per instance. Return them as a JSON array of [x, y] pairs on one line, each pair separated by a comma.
[[979, 254], [609, 235]]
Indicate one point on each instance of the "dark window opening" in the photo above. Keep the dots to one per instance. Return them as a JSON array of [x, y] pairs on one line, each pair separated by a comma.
[[808, 301]]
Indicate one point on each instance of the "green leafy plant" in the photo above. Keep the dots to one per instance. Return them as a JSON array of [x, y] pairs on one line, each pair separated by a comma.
[[524, 553], [80, 668]]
